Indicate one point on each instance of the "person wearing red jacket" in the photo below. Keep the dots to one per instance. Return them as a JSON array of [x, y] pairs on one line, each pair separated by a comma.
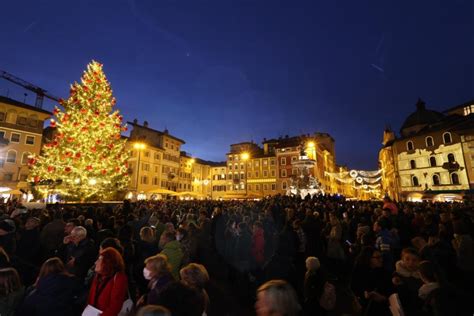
[[110, 285], [258, 244]]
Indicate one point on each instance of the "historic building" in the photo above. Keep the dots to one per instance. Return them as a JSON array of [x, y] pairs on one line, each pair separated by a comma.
[[21, 132], [432, 159], [154, 163], [219, 180]]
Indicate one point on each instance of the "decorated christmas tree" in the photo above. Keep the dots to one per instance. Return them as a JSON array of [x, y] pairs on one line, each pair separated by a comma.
[[86, 158]]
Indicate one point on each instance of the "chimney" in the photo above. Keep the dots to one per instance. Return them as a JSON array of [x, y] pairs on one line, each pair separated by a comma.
[[145, 123], [135, 121]]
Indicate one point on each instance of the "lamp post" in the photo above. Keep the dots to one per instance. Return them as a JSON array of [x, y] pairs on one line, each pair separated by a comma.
[[139, 147], [245, 157]]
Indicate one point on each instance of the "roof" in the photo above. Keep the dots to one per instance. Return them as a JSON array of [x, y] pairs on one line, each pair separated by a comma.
[[471, 102], [201, 161], [23, 105], [156, 131], [421, 116]]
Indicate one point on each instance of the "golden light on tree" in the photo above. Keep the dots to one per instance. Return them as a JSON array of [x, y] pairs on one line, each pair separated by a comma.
[[86, 159]]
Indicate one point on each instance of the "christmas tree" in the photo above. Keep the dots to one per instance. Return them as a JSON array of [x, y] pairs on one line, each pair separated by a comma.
[[86, 159]]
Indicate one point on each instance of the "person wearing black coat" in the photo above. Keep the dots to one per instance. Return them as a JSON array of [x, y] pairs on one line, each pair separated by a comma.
[[28, 246], [54, 295]]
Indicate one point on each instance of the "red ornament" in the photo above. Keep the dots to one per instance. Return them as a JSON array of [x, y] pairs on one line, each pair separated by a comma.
[[117, 169], [76, 124], [93, 149], [60, 135], [55, 111], [54, 144], [70, 139], [97, 113], [86, 88], [67, 169], [78, 155], [111, 146], [104, 171], [31, 161], [101, 124], [83, 111], [89, 168], [125, 129], [113, 101], [50, 168], [36, 179], [84, 129], [68, 154], [52, 123]]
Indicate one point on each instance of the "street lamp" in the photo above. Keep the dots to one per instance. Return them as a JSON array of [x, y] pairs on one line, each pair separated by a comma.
[[245, 156], [139, 147]]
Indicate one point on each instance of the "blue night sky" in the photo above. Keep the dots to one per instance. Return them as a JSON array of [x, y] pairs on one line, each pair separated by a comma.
[[218, 72]]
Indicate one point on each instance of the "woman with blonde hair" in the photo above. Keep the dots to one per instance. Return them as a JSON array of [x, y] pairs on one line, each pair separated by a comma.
[[277, 298], [54, 293], [157, 271], [11, 291], [195, 275]]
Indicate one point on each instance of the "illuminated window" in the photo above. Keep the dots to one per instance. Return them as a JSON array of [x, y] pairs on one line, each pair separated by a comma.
[[273, 186], [265, 162], [249, 187], [283, 161], [272, 173], [410, 145], [447, 138], [257, 187], [265, 187], [283, 173], [429, 141], [265, 173], [293, 159], [283, 185], [256, 174]]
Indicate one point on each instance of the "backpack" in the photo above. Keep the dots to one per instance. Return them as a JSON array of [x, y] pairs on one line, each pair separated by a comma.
[[328, 299]]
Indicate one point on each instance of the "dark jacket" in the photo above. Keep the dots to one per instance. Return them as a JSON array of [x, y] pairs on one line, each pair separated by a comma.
[[9, 304], [84, 254], [157, 287], [54, 295]]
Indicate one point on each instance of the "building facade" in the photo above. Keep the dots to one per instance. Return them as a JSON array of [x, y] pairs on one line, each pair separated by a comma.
[[432, 159], [21, 133]]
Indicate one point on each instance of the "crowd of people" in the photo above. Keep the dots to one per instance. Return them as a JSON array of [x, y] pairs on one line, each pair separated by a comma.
[[280, 256]]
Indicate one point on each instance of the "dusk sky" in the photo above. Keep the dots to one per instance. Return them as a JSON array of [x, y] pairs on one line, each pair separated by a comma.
[[219, 72]]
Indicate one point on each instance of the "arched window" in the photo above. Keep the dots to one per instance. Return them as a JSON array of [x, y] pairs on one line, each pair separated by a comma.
[[451, 158], [414, 181], [435, 179], [454, 178], [11, 156], [447, 138], [413, 164], [429, 141], [409, 145], [432, 161], [24, 158]]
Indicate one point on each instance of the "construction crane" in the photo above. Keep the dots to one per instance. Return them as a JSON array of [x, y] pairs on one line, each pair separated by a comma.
[[40, 93]]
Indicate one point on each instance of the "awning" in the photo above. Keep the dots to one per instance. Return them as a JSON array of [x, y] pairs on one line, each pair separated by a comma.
[[189, 193], [162, 191], [13, 192]]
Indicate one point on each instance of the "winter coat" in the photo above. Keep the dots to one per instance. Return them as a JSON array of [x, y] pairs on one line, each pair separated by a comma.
[[112, 296], [156, 287], [29, 247], [174, 253], [258, 246], [84, 254], [52, 236], [54, 295], [9, 303]]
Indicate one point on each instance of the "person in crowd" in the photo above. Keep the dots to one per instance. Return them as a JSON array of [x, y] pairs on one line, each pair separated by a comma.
[[153, 310], [52, 235], [258, 245], [81, 252], [7, 235], [54, 292], [12, 291], [335, 251], [157, 272], [28, 246], [173, 252], [407, 279], [195, 275], [371, 283], [182, 300], [384, 243], [277, 298], [314, 281], [108, 290]]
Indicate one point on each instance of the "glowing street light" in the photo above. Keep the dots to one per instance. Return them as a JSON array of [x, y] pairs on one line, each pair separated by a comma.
[[245, 156], [311, 145]]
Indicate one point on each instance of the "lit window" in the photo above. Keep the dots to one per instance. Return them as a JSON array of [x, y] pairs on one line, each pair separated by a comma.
[[265, 173], [273, 186], [283, 185], [273, 173], [283, 173], [265, 187]]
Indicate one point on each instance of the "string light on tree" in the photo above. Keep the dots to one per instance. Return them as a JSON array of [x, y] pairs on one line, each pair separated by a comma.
[[86, 159]]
